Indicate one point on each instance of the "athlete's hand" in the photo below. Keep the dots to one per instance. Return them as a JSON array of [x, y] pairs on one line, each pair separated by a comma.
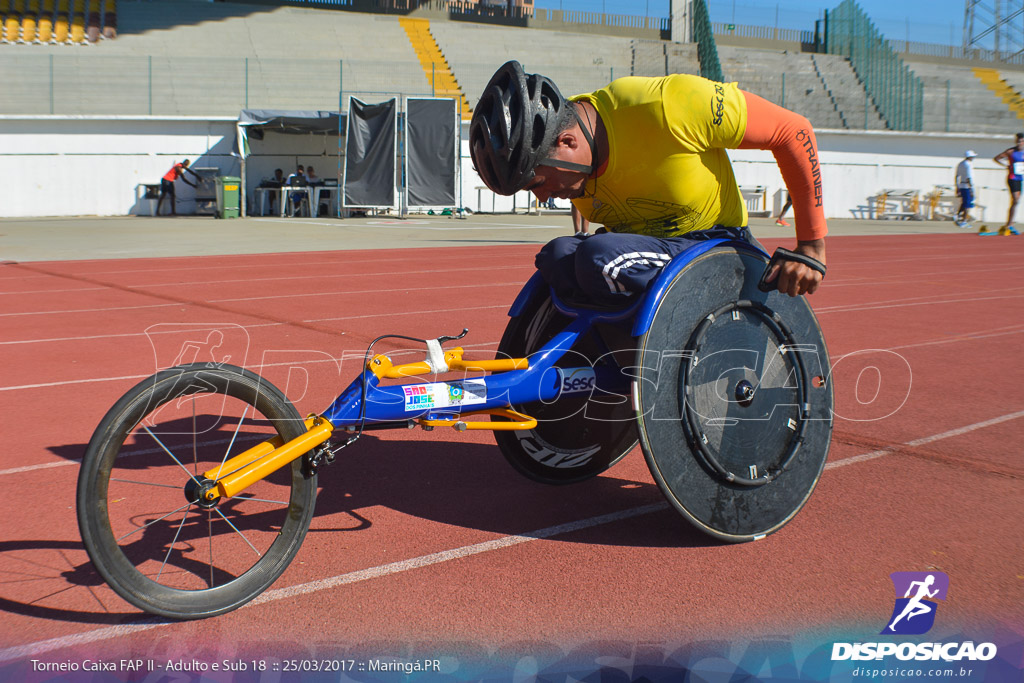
[[796, 279]]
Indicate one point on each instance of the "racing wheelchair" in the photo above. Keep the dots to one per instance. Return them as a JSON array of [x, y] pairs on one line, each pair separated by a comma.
[[198, 486]]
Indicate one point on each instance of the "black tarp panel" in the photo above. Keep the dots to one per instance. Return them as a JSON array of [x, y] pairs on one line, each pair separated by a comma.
[[370, 154], [298, 122], [431, 151]]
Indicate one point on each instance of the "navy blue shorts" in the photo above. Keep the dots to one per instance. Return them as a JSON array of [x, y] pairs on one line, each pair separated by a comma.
[[608, 269], [966, 197]]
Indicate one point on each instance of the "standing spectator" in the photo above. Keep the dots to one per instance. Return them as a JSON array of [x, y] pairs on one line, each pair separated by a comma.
[[965, 188], [1013, 160], [781, 220], [580, 225], [167, 185]]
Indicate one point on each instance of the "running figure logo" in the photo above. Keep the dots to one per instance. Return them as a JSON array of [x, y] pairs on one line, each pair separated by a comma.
[[914, 613]]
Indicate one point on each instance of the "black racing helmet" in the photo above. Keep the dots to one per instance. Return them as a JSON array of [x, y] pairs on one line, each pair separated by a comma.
[[515, 123]]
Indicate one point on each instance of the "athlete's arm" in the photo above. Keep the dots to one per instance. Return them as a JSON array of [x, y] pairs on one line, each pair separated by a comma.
[[791, 140], [1003, 156]]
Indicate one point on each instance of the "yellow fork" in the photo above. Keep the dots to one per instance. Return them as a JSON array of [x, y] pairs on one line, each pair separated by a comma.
[[264, 459]]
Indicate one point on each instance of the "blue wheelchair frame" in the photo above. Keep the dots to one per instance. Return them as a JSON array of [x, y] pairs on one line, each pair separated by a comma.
[[365, 402]]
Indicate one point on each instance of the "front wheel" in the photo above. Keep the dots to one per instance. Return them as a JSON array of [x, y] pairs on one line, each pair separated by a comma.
[[581, 434], [155, 542]]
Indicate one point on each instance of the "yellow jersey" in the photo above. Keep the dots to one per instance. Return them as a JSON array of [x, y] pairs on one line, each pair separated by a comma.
[[668, 171]]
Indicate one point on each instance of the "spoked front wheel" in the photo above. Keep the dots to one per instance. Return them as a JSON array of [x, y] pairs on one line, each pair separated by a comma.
[[157, 542]]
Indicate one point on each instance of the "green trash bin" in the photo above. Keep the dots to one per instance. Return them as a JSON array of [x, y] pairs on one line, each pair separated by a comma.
[[229, 196]]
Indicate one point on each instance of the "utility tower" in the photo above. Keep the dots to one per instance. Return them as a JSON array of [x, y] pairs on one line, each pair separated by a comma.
[[996, 25]]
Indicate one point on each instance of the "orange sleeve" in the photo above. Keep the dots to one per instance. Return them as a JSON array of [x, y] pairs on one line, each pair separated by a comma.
[[791, 140]]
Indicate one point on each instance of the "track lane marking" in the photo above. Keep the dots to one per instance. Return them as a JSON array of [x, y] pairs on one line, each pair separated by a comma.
[[996, 332], [110, 632]]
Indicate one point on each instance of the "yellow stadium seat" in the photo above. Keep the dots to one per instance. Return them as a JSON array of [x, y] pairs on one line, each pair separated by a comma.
[[77, 34], [45, 24], [28, 22], [12, 21], [60, 24]]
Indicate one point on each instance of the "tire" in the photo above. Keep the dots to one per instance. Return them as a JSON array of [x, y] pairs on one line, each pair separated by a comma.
[[155, 548], [734, 404], [576, 437]]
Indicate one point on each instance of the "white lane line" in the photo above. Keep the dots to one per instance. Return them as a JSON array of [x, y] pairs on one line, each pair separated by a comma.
[[57, 291], [432, 288], [97, 310], [986, 334], [909, 303], [251, 327], [43, 466], [334, 360], [84, 638], [453, 554], [223, 262], [263, 298], [341, 266], [997, 332], [844, 282], [110, 632], [926, 440]]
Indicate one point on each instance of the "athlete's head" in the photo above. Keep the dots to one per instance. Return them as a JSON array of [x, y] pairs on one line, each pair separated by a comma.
[[515, 125]]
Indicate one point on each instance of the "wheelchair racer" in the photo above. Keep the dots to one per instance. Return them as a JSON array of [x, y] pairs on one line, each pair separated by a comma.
[[646, 158]]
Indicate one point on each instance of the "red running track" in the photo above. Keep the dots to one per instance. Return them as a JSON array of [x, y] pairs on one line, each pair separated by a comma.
[[418, 536]]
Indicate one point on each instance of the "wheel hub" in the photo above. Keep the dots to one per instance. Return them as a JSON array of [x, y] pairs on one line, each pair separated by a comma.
[[196, 491], [744, 393]]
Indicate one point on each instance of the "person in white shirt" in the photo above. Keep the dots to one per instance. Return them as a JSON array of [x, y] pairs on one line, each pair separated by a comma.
[[965, 188]]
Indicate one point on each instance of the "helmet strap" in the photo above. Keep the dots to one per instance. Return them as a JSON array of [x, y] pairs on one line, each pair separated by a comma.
[[571, 166]]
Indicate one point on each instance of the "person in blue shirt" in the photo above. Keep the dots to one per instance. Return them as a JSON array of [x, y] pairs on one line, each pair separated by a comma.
[[1013, 160], [965, 189]]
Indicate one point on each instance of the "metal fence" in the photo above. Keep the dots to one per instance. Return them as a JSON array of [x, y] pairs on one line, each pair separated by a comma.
[[707, 51], [762, 32], [103, 85], [896, 91]]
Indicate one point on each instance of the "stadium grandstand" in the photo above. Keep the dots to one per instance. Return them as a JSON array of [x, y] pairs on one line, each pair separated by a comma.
[[176, 59]]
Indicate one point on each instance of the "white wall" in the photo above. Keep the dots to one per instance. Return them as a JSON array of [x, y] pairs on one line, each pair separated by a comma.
[[91, 166], [855, 166], [69, 166]]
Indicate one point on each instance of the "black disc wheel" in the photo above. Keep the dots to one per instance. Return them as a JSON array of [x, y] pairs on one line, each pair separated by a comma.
[[735, 406], [585, 431], [149, 530]]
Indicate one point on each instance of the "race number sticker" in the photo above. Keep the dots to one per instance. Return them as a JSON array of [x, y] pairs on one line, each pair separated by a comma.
[[1018, 168], [444, 394]]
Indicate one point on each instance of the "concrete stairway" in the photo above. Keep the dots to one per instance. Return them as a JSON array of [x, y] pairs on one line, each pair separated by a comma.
[[196, 58], [971, 106], [998, 85], [847, 92], [435, 66], [184, 57], [475, 51], [787, 79], [660, 58]]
